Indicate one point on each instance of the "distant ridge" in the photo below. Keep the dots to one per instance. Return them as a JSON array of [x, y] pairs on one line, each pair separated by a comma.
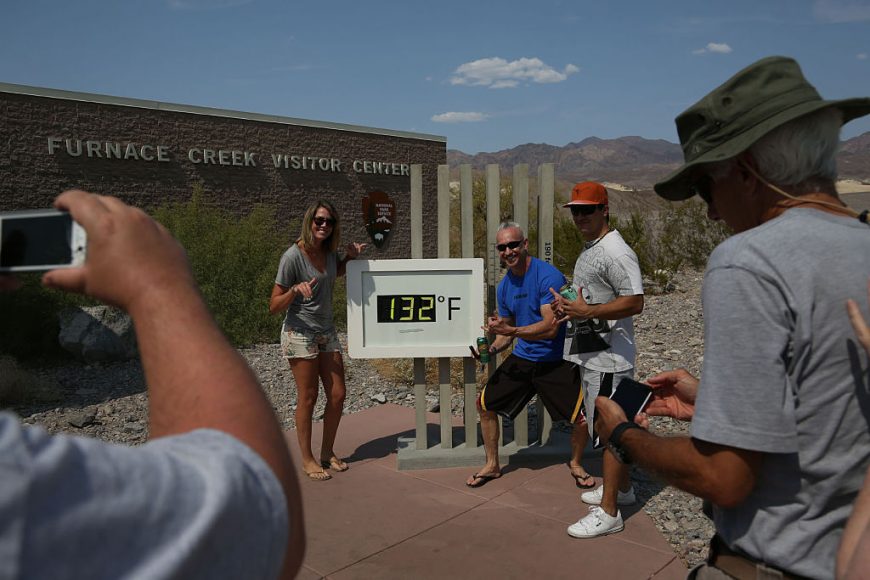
[[632, 162]]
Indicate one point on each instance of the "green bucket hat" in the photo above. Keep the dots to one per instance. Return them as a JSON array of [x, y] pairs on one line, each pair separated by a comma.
[[758, 99]]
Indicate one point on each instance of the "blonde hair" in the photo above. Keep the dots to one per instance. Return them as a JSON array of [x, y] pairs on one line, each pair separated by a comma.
[[334, 239]]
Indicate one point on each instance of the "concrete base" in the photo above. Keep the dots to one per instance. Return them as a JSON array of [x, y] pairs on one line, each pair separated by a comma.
[[557, 449]]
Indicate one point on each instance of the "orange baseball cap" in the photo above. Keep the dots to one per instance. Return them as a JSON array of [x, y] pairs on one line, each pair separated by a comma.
[[588, 193]]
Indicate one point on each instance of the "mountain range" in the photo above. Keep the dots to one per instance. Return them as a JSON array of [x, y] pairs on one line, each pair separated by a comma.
[[630, 163]]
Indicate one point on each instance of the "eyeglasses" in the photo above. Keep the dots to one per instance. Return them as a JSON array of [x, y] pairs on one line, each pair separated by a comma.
[[512, 245], [324, 221], [703, 188], [585, 210]]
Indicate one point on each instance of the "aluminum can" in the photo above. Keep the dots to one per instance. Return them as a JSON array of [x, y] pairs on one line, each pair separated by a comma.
[[483, 350], [568, 293]]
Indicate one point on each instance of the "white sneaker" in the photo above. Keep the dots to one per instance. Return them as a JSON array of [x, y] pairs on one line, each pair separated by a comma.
[[596, 523], [622, 498]]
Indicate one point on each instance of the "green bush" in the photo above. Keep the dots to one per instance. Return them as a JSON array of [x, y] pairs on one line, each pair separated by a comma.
[[29, 318], [234, 261]]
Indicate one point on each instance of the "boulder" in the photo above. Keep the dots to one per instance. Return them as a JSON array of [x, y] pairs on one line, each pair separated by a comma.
[[97, 333]]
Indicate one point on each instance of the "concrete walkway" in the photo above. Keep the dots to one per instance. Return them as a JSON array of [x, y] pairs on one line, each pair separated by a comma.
[[373, 521]]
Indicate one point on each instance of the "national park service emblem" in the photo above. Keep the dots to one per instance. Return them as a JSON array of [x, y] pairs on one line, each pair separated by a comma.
[[379, 214]]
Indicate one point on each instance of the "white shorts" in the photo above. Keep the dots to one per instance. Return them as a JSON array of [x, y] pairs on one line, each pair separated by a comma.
[[596, 383]]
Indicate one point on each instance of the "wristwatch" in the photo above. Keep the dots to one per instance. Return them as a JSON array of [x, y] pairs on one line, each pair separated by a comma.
[[618, 451]]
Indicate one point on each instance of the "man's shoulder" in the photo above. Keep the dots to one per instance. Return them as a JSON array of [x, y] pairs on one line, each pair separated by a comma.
[[545, 268]]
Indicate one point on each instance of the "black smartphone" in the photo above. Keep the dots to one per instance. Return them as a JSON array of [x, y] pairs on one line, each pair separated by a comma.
[[632, 396], [36, 240]]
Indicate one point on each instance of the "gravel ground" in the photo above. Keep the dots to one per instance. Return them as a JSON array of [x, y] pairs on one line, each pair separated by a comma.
[[108, 400]]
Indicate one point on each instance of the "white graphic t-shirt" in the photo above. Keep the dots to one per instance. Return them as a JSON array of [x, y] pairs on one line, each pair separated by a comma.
[[605, 270]]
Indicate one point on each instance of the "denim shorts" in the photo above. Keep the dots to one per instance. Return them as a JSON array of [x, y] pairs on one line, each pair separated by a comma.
[[301, 343]]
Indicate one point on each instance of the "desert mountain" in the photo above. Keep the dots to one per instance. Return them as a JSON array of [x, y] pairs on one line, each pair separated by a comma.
[[632, 162]]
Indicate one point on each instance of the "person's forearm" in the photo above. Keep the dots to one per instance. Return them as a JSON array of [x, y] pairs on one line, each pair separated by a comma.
[[537, 331], [621, 307], [282, 302], [499, 344], [857, 526], [700, 468], [197, 380]]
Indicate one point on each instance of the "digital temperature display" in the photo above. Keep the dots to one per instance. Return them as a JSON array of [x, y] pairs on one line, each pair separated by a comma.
[[406, 308]]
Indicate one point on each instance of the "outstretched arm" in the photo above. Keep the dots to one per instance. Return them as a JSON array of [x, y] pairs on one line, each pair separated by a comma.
[[195, 378]]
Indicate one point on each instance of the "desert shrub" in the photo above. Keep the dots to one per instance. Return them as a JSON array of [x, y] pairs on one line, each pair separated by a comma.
[[17, 385], [688, 236], [234, 260], [29, 318]]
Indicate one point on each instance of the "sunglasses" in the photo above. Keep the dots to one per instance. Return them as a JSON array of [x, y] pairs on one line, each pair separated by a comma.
[[512, 245], [585, 209], [323, 221], [703, 188]]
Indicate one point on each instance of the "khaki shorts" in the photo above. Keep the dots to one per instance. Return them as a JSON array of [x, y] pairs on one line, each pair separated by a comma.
[[299, 343]]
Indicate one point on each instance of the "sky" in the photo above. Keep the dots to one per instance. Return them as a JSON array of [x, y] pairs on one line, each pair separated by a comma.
[[487, 75]]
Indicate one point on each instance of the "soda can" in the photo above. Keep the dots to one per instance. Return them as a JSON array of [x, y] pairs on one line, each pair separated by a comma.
[[483, 350], [568, 293]]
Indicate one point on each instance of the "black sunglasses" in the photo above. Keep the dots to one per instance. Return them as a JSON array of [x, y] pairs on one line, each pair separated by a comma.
[[703, 188], [585, 209], [320, 221], [512, 245]]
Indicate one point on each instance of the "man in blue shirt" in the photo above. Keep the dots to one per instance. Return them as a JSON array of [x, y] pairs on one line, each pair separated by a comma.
[[536, 364]]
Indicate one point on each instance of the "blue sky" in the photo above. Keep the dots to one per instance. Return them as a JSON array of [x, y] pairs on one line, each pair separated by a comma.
[[486, 75]]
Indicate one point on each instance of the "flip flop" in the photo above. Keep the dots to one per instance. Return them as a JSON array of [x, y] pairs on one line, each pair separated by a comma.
[[334, 464], [582, 478], [484, 479], [318, 475]]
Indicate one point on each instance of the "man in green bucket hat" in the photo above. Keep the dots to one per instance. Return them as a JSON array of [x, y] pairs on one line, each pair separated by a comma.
[[780, 434]]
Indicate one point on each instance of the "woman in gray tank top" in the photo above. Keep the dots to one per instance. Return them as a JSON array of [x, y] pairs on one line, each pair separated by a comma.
[[309, 342]]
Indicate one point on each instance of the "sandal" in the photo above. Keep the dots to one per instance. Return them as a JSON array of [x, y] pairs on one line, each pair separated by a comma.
[[318, 475], [481, 479], [582, 481], [335, 464]]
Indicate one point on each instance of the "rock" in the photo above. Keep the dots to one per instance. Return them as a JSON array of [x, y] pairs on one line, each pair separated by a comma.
[[83, 418], [434, 407], [97, 333], [379, 398]]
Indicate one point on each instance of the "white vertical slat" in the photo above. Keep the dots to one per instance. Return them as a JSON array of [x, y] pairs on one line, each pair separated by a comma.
[[422, 441], [445, 391], [466, 205], [546, 199]]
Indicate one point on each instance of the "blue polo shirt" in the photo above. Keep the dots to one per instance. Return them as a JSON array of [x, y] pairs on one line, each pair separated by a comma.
[[521, 298]]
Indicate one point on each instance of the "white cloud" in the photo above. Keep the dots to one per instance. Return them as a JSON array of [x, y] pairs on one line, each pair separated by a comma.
[[861, 56], [839, 11], [497, 73], [714, 47], [456, 117]]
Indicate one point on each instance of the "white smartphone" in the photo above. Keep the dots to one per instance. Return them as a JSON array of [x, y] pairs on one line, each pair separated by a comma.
[[38, 240]]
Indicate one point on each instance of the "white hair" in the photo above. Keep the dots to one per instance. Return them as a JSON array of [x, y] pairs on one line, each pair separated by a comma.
[[801, 153], [506, 225]]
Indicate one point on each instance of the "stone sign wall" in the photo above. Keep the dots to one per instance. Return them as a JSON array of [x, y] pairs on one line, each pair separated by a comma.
[[149, 154]]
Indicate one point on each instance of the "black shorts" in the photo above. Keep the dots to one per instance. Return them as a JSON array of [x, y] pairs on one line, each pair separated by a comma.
[[516, 380]]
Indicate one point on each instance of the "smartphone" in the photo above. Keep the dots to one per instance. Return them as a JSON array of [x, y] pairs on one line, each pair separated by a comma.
[[37, 240], [632, 396]]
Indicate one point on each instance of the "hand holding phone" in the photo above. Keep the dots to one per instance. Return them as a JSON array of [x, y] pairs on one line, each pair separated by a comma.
[[632, 396], [39, 240], [131, 259]]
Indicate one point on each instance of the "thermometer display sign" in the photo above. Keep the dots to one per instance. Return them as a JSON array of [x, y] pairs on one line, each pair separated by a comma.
[[414, 308], [406, 308]]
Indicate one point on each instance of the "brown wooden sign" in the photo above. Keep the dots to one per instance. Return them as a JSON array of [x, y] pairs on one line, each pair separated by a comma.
[[379, 215]]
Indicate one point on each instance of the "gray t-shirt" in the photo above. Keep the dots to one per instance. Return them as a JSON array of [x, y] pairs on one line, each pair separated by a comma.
[[313, 314], [784, 375], [606, 269], [199, 505]]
